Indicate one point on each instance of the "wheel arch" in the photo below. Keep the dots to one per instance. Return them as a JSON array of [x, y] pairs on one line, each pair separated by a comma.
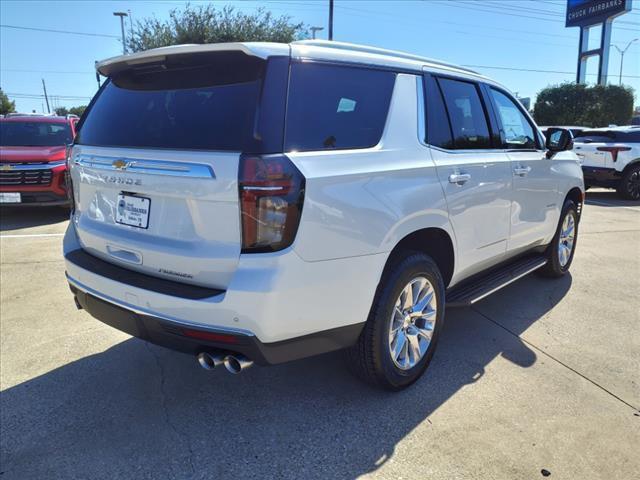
[[633, 163], [576, 195], [433, 241]]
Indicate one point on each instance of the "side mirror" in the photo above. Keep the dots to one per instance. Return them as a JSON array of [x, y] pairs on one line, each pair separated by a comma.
[[558, 140]]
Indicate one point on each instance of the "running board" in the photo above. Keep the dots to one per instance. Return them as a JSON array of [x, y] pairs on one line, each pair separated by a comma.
[[476, 288]]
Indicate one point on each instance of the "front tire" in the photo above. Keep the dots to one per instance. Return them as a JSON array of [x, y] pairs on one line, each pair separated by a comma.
[[401, 333], [563, 246], [629, 186]]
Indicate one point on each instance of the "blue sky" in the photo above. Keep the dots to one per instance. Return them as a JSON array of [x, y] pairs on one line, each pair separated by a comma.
[[501, 34]]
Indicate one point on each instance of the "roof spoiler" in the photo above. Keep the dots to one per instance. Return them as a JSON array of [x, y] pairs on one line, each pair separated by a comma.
[[122, 62]]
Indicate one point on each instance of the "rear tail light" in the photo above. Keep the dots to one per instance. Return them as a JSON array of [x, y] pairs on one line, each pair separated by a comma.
[[614, 151], [271, 198], [67, 179]]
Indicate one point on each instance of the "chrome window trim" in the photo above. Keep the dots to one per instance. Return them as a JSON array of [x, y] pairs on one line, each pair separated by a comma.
[[137, 165], [149, 313], [467, 151]]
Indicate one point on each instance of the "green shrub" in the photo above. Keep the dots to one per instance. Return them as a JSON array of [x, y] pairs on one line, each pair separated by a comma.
[[589, 106]]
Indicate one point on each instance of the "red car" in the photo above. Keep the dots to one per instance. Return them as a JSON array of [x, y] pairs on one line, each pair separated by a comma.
[[32, 159]]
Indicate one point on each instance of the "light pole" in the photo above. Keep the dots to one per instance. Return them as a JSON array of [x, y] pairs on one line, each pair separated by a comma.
[[122, 15], [622, 52], [330, 19], [314, 30]]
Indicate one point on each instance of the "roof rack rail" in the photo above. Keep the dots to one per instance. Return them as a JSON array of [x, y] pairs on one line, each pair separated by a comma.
[[27, 114], [352, 47]]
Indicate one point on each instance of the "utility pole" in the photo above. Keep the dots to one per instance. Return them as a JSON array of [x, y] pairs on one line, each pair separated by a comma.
[[314, 30], [330, 19], [122, 15], [622, 52], [130, 24], [46, 99]]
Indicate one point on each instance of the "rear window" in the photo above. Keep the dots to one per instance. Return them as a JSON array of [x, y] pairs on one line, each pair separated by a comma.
[[34, 134], [631, 136], [594, 137], [336, 107], [204, 104]]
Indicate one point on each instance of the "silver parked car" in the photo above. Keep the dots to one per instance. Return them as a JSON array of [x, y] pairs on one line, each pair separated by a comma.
[[257, 202]]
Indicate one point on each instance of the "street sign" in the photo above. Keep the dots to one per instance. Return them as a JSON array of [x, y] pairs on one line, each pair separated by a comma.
[[581, 13], [586, 14]]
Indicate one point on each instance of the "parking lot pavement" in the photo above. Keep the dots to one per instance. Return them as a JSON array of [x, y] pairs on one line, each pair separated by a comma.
[[542, 375]]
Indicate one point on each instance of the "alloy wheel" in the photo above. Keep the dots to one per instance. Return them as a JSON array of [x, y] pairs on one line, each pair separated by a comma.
[[567, 239], [412, 323], [633, 185]]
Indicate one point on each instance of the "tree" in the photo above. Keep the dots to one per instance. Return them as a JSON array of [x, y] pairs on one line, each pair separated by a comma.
[[78, 110], [590, 106], [6, 105], [206, 24], [62, 111]]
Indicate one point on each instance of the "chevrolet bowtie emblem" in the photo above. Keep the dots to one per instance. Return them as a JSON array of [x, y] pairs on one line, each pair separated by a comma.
[[120, 164], [6, 167]]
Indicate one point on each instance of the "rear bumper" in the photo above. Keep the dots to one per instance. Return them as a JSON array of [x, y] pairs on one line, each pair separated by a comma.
[[177, 336], [600, 177], [277, 306]]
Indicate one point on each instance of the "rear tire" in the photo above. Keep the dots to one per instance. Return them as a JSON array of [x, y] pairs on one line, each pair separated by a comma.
[[380, 356], [563, 246], [629, 186]]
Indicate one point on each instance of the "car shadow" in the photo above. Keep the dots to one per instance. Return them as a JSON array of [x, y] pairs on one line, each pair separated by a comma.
[[608, 198], [16, 218], [140, 411]]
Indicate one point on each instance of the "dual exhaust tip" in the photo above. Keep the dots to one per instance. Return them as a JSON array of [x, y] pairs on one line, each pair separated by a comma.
[[235, 363]]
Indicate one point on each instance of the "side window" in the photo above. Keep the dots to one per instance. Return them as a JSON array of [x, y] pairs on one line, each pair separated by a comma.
[[628, 137], [336, 107], [595, 137], [466, 114], [438, 128], [518, 132]]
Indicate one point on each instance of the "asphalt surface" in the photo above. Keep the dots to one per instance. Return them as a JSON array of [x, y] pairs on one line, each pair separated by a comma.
[[542, 375]]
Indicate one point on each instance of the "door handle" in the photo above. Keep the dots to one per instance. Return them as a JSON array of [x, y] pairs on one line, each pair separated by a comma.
[[521, 171], [125, 255], [459, 178]]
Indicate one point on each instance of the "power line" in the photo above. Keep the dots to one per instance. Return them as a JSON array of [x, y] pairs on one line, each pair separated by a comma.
[[59, 31], [421, 25], [39, 95], [363, 12], [533, 70], [535, 11], [46, 71], [498, 10]]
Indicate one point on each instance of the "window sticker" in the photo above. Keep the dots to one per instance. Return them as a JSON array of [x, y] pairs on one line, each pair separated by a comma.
[[346, 105]]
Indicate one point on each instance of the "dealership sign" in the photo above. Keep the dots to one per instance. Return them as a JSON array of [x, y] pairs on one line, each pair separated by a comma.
[[589, 12]]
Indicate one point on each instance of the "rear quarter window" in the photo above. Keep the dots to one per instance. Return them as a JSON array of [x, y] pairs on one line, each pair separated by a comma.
[[336, 107], [629, 137]]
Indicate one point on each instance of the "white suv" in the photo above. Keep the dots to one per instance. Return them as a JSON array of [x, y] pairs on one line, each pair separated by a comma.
[[259, 202], [611, 158]]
